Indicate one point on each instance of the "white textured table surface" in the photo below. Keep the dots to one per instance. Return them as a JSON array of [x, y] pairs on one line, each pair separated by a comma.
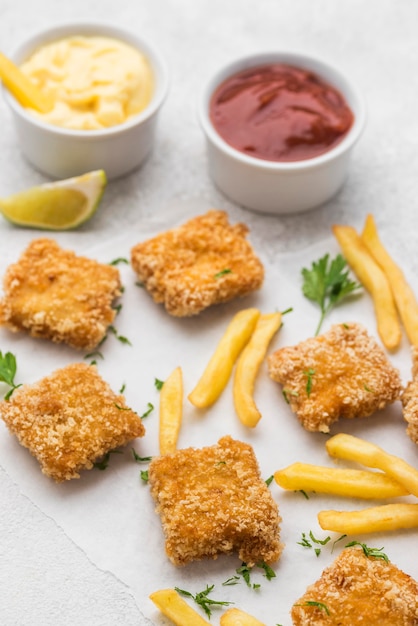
[[45, 577]]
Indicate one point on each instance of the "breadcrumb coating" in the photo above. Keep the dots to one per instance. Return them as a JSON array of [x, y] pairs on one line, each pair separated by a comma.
[[358, 590], [70, 419], [213, 501], [205, 261], [410, 400], [342, 373], [54, 294]]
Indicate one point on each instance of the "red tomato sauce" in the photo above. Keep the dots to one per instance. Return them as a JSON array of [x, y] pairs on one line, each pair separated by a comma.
[[279, 112]]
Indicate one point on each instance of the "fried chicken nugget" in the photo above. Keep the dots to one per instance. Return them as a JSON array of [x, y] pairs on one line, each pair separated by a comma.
[[410, 400], [213, 501], [54, 294], [205, 261], [342, 373], [70, 419], [359, 590]]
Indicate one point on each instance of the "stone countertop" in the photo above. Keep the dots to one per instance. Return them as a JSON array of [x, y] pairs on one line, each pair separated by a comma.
[[45, 578]]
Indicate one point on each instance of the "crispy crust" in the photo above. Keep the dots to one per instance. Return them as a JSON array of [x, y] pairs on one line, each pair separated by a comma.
[[410, 400], [70, 419], [179, 267], [359, 591], [54, 294], [353, 377], [213, 501]]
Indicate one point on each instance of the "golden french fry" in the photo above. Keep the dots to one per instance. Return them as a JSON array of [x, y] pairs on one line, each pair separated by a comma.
[[235, 617], [216, 375], [171, 411], [175, 608], [355, 449], [248, 365], [337, 481], [376, 519], [25, 92], [405, 299], [374, 280]]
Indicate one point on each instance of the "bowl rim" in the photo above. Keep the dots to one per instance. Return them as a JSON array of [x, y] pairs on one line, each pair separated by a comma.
[[61, 30], [301, 59]]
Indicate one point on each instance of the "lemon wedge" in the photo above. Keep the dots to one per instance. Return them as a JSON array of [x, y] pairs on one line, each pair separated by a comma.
[[60, 205]]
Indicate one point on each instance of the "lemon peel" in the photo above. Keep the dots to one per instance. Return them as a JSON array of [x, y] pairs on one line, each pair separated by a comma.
[[61, 205]]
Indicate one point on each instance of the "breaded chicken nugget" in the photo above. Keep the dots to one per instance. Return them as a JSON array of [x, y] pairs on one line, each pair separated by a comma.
[[70, 419], [342, 373], [213, 501], [54, 294], [359, 590], [203, 262], [410, 400]]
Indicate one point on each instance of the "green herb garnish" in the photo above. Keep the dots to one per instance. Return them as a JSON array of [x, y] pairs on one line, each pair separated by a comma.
[[144, 476], [245, 572], [158, 384], [202, 599], [234, 580], [8, 369], [223, 272], [376, 552], [95, 354], [336, 541], [309, 373], [318, 605], [269, 573], [327, 284], [148, 411], [303, 492], [119, 260], [286, 311], [122, 408], [120, 338], [122, 389], [305, 543], [104, 462], [117, 308], [289, 392], [140, 459], [269, 480]]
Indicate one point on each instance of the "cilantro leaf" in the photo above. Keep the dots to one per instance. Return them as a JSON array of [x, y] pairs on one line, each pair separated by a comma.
[[327, 283]]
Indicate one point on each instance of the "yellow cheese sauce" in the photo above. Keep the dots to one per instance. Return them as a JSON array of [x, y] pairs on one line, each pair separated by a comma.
[[95, 82]]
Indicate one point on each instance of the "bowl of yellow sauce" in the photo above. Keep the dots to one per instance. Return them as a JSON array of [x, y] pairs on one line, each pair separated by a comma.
[[106, 85]]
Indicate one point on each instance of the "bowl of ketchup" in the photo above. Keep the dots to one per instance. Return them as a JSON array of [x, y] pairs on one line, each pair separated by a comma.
[[280, 128]]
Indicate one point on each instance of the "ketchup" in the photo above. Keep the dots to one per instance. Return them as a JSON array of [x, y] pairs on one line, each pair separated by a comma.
[[279, 112]]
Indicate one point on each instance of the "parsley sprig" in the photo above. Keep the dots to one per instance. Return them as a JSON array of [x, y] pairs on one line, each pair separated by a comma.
[[8, 369], [327, 283], [202, 598]]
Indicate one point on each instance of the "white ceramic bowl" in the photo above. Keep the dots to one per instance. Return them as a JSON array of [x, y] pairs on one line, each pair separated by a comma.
[[272, 186], [61, 152]]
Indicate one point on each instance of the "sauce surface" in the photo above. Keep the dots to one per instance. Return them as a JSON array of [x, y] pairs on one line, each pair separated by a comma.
[[278, 112], [95, 82]]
